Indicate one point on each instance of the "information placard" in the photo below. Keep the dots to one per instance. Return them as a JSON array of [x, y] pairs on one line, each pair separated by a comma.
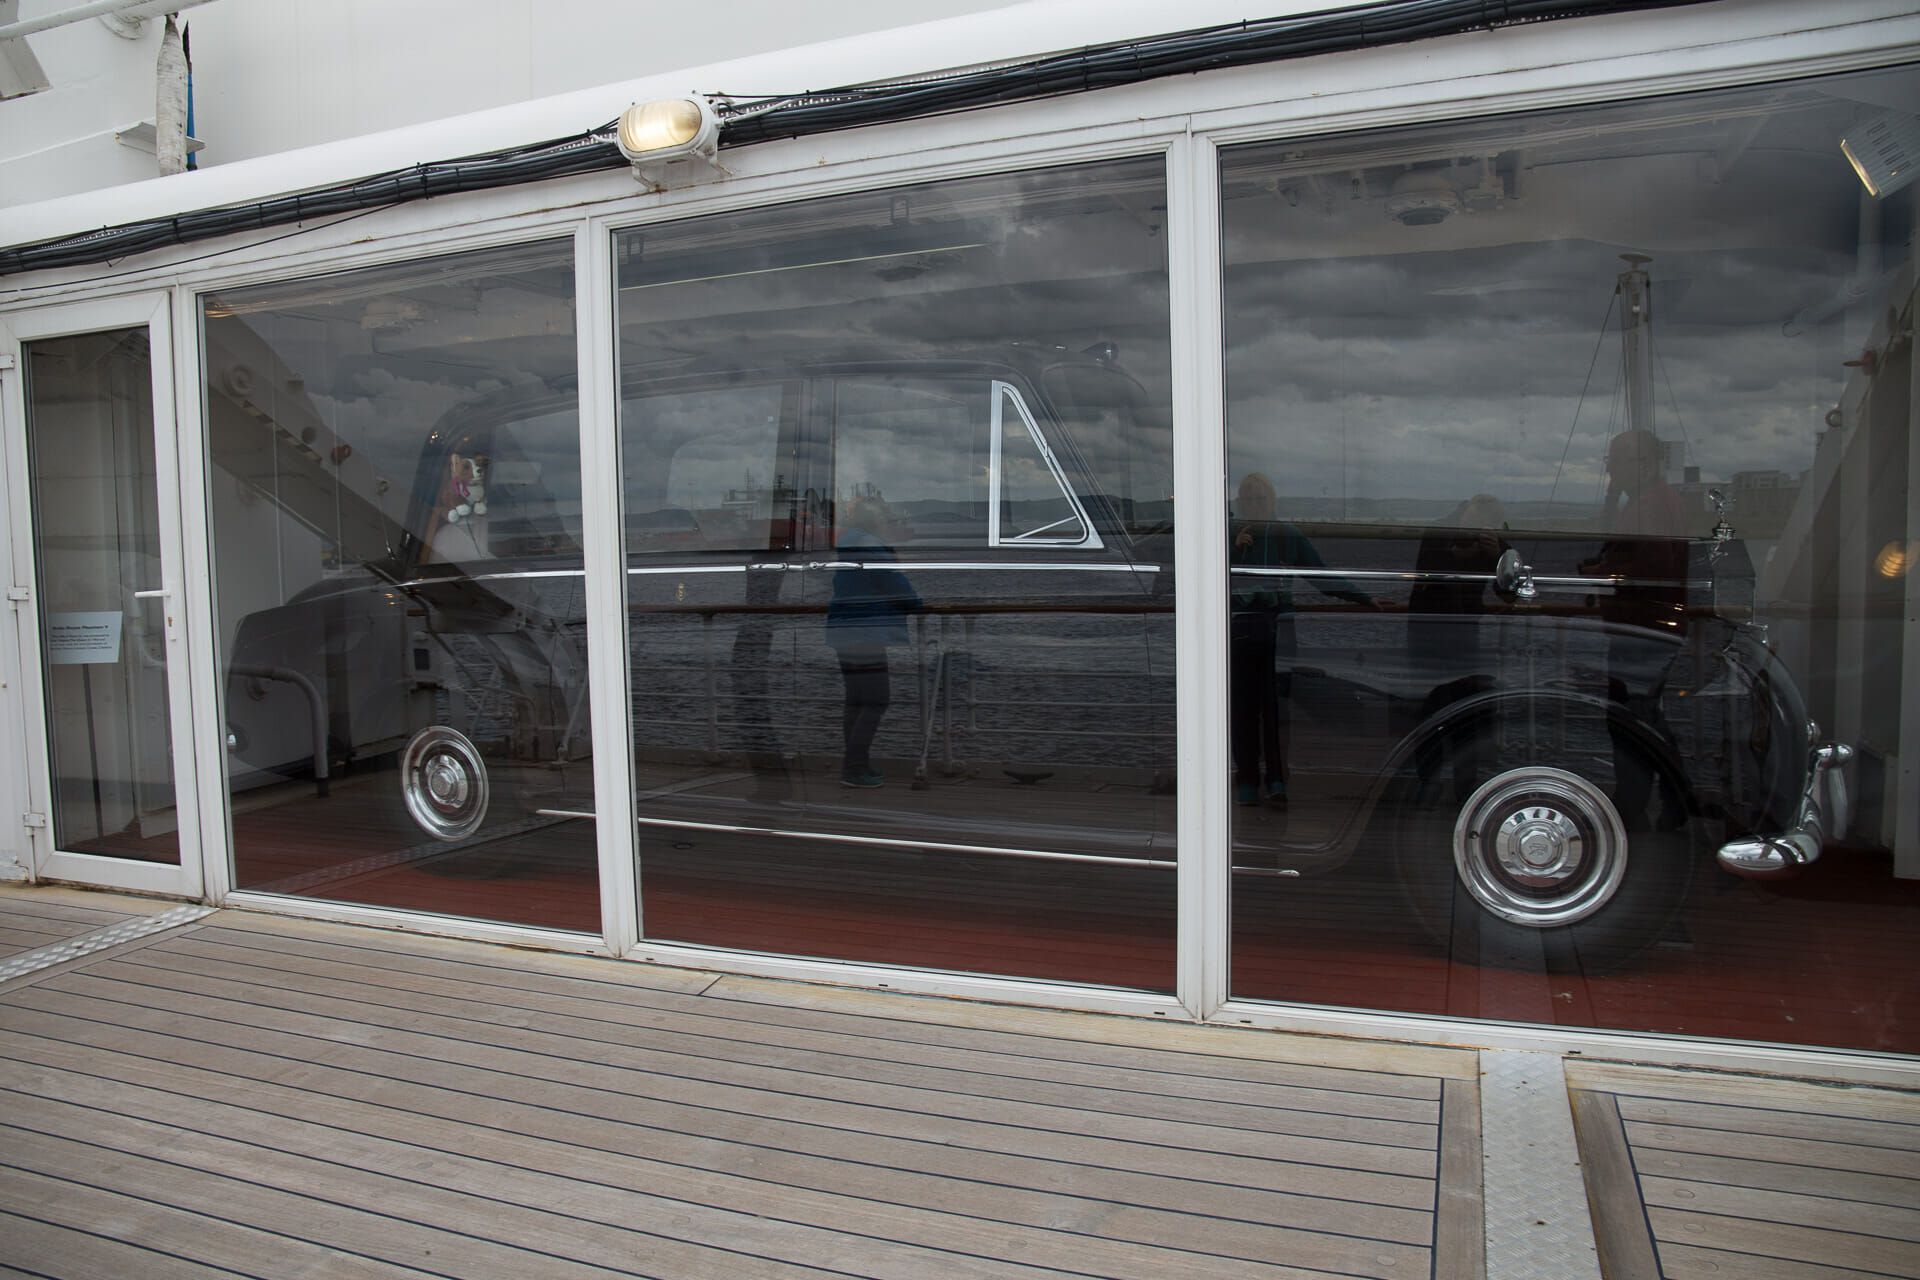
[[74, 638]]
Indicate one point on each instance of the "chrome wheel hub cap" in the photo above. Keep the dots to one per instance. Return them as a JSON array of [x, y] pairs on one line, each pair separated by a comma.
[[1540, 847], [444, 783]]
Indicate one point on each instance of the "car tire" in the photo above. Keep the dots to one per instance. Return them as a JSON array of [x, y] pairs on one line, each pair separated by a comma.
[[1516, 864]]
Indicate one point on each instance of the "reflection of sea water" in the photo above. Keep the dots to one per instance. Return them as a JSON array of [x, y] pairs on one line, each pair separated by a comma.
[[1012, 682]]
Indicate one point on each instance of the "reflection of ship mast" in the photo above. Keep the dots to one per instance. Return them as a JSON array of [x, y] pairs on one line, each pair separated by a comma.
[[1636, 336]]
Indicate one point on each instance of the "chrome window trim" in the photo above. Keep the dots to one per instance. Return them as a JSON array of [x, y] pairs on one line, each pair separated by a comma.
[[1001, 393]]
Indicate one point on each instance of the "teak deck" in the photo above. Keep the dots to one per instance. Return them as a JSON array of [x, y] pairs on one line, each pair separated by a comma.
[[252, 1095]]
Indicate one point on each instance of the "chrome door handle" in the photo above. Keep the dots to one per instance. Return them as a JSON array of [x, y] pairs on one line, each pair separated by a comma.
[[777, 566], [835, 564], [1513, 579], [158, 593]]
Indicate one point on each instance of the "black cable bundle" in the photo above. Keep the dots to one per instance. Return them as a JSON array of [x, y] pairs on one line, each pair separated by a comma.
[[761, 120]]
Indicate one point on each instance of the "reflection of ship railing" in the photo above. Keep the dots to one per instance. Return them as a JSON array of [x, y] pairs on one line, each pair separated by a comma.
[[962, 706]]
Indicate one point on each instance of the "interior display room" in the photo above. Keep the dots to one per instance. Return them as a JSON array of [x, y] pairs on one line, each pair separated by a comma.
[[1418, 540]]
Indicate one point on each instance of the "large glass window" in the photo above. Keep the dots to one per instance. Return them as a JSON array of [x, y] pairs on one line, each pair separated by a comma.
[[897, 476], [1571, 539], [396, 524]]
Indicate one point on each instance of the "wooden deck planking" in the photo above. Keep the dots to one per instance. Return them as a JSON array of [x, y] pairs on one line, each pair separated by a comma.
[[929, 1173], [680, 1047], [1684, 1262], [137, 1236], [481, 1066], [1805, 1152], [715, 1031], [1888, 1222], [1762, 1175], [1785, 1242], [1732, 1117], [1769, 1179], [495, 1093], [761, 1006], [428, 1144]]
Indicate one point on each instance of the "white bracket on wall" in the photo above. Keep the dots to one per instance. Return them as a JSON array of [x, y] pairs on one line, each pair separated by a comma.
[[19, 595], [6, 362], [141, 138], [33, 819]]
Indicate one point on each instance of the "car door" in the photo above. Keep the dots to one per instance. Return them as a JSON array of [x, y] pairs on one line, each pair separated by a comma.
[[975, 671], [713, 503]]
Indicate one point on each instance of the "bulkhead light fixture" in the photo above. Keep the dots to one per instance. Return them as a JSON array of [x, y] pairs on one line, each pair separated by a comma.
[[671, 142], [1885, 152]]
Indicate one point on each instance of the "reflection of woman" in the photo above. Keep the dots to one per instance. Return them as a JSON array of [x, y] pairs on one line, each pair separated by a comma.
[[1262, 641], [867, 613]]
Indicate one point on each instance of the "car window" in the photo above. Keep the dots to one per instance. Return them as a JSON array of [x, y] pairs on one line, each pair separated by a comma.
[[958, 463], [703, 469], [920, 446]]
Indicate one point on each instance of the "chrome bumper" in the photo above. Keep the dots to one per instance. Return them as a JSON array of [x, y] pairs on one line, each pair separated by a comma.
[[1823, 811]]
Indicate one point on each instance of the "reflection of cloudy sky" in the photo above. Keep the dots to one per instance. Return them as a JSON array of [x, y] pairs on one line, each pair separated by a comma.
[[1442, 375], [1067, 265]]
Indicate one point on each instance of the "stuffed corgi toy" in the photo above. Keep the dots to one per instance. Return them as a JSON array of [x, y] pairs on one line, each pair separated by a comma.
[[466, 491]]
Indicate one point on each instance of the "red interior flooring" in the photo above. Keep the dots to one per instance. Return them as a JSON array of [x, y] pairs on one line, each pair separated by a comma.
[[1821, 960]]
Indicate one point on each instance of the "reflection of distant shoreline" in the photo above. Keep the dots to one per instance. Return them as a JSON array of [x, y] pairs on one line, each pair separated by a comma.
[[1761, 505]]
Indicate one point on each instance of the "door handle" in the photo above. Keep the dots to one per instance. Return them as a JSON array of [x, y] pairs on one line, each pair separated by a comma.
[[774, 567], [158, 593], [835, 564], [1512, 579]]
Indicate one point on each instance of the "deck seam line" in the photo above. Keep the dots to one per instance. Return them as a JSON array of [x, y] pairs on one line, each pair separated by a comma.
[[26, 962]]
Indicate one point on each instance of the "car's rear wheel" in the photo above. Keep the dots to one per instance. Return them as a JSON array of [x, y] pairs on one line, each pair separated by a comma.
[[444, 783]]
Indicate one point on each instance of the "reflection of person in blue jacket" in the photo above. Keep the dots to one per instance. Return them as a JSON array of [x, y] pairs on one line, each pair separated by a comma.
[[1260, 655], [867, 613]]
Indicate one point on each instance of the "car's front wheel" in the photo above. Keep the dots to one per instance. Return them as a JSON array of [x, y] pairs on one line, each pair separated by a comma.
[[1524, 864]]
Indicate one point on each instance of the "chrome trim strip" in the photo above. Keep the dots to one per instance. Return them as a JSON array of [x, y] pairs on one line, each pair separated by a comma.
[[488, 577], [882, 842], [1428, 575], [907, 566], [696, 568], [913, 566]]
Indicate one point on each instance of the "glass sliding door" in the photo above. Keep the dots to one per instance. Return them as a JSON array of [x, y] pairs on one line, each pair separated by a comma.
[[897, 484], [103, 611], [395, 506]]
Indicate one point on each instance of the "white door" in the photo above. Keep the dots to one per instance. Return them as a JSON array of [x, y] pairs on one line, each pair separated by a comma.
[[93, 513]]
